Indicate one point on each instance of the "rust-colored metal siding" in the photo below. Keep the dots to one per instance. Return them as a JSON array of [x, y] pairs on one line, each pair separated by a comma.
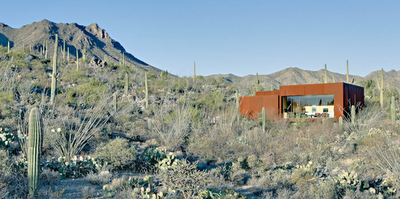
[[251, 106], [345, 95]]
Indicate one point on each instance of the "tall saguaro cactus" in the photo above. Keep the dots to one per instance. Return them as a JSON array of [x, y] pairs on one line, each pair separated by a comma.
[[63, 51], [8, 47], [347, 71], [393, 111], [326, 76], [194, 72], [54, 74], [340, 123], [353, 114], [380, 87], [237, 107], [264, 118], [45, 54], [126, 87], [115, 98], [257, 83], [34, 150], [146, 90], [77, 60]]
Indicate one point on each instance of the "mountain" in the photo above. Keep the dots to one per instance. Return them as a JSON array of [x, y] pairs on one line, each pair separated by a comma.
[[98, 44], [293, 76], [94, 40]]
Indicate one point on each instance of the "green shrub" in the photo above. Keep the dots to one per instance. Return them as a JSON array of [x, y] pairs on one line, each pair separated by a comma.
[[5, 166], [118, 153]]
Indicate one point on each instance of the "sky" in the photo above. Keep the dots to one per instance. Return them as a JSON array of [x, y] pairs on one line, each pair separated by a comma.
[[236, 36]]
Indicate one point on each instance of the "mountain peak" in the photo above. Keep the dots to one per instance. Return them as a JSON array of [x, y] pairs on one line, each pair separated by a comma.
[[91, 39], [97, 31]]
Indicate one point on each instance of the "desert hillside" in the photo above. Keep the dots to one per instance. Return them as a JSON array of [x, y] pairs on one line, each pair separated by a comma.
[[84, 129]]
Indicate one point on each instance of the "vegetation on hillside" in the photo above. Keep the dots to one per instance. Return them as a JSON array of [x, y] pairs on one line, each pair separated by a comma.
[[188, 142]]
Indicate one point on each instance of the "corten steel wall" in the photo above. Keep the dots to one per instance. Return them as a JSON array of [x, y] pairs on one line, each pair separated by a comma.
[[353, 95], [344, 95], [251, 106]]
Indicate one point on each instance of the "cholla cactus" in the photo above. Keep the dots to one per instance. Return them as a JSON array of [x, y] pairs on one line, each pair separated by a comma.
[[348, 180]]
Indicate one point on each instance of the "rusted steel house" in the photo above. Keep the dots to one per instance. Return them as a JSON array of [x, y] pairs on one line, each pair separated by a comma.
[[313, 101]]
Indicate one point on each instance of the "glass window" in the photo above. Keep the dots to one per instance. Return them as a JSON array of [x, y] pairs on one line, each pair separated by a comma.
[[308, 105]]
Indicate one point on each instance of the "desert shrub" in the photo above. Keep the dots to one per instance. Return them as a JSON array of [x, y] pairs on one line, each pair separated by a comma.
[[5, 167], [384, 153], [171, 124], [185, 178], [100, 178], [117, 153], [91, 91], [222, 140], [87, 192], [72, 75], [48, 176], [68, 130]]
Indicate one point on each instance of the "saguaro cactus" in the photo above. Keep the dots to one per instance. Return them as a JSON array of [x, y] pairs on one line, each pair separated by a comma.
[[123, 58], [263, 119], [353, 114], [45, 54], [326, 76], [63, 51], [380, 87], [393, 111], [54, 74], [115, 101], [257, 83], [126, 87], [340, 124], [77, 60], [347, 71], [8, 47], [34, 150], [194, 72], [146, 90]]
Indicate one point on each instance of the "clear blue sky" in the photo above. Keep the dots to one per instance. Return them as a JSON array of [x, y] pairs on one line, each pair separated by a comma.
[[236, 36]]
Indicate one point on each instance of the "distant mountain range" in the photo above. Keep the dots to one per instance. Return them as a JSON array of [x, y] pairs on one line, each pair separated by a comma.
[[92, 39], [98, 44], [293, 76]]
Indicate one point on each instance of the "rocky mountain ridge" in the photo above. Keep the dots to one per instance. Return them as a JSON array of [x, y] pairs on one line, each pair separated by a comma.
[[92, 40], [294, 76]]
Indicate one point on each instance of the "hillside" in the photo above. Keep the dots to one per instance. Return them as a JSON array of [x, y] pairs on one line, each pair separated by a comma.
[[112, 132], [92, 39]]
